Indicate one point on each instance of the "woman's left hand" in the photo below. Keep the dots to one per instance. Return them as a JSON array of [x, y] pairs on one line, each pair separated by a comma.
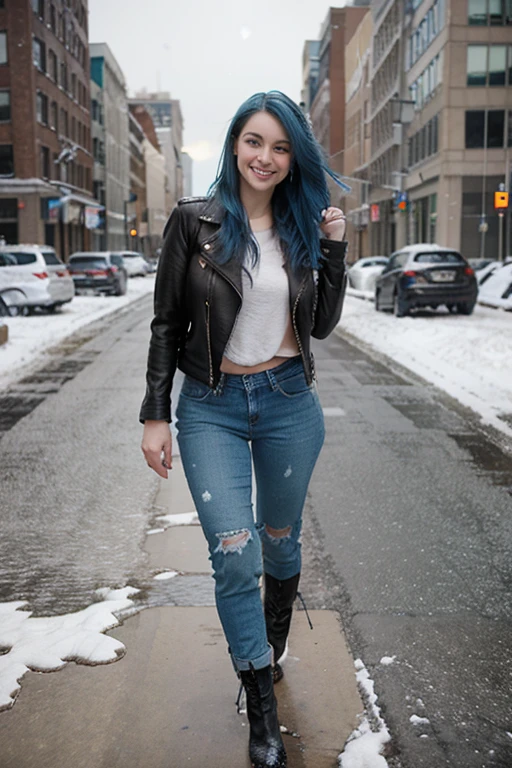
[[334, 223]]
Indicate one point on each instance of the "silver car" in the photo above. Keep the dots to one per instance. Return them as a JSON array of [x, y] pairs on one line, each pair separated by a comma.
[[135, 263], [36, 272]]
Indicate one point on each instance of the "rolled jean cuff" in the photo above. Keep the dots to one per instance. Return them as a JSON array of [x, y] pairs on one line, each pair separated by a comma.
[[242, 665]]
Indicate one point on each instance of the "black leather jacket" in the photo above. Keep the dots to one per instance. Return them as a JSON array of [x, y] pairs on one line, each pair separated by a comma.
[[197, 303]]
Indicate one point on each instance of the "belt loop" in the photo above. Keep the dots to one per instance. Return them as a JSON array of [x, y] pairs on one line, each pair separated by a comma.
[[271, 380]]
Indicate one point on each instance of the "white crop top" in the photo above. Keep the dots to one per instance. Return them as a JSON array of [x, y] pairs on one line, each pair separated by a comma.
[[263, 328]]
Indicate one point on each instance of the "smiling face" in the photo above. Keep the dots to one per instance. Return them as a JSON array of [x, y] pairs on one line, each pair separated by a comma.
[[263, 152]]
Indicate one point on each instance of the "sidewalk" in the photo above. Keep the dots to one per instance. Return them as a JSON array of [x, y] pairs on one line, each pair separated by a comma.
[[170, 702]]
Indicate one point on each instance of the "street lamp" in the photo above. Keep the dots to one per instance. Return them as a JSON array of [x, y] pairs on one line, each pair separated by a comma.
[[402, 111]]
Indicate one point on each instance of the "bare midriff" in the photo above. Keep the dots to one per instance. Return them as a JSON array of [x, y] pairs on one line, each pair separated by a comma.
[[227, 366]]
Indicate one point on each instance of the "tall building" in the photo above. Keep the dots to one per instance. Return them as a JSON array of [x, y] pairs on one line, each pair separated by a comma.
[[112, 149], [187, 164], [45, 142], [441, 111], [357, 137], [168, 121], [327, 108]]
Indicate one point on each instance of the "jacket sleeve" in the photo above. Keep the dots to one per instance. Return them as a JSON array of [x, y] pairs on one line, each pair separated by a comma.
[[332, 281], [169, 320]]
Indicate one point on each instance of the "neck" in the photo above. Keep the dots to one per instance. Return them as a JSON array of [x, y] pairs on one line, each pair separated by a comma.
[[257, 204]]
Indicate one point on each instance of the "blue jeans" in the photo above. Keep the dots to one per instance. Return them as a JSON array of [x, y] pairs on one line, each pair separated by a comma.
[[272, 420]]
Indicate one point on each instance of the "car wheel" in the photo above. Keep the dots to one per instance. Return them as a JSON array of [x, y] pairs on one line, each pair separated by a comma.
[[400, 306], [378, 305], [121, 287], [466, 307]]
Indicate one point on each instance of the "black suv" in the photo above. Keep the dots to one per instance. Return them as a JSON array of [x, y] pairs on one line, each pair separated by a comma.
[[426, 275], [100, 271]]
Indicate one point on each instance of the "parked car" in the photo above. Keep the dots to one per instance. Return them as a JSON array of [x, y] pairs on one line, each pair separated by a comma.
[[484, 272], [363, 274], [135, 263], [98, 271], [38, 274], [426, 275], [497, 290], [13, 300]]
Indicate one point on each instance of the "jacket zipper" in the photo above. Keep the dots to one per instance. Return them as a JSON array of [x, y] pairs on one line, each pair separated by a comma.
[[208, 330], [295, 330]]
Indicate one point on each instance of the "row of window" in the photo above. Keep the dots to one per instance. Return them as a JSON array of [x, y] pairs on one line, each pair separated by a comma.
[[48, 114], [98, 150], [71, 172], [424, 86], [491, 128], [57, 22], [489, 65], [427, 30], [489, 12], [424, 142], [58, 72], [97, 111], [3, 47], [388, 31]]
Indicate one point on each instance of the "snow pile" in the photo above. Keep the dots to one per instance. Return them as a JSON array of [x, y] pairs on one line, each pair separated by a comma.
[[497, 289], [48, 643], [364, 745], [30, 337], [469, 357], [164, 575], [183, 518]]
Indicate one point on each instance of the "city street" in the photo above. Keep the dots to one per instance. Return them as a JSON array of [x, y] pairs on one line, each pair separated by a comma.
[[407, 538]]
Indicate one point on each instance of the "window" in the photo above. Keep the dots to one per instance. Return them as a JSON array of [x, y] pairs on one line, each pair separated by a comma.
[[3, 47], [54, 120], [6, 160], [63, 76], [45, 163], [64, 122], [73, 128], [53, 19], [53, 69], [42, 108], [38, 7], [497, 64], [493, 12], [495, 128], [477, 121], [5, 106], [73, 85], [39, 54], [477, 64]]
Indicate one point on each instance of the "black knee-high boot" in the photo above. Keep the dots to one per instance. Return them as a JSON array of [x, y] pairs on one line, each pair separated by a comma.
[[279, 599], [266, 748]]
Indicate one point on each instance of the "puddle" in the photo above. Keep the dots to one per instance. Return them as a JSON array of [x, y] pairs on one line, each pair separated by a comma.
[[487, 457]]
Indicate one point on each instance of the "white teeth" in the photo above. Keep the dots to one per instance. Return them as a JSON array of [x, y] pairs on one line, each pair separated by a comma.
[[262, 173]]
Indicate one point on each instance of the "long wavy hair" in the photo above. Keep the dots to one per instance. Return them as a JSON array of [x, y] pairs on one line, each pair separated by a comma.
[[297, 202]]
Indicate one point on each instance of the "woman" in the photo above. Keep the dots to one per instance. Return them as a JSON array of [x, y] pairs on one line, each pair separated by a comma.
[[245, 277]]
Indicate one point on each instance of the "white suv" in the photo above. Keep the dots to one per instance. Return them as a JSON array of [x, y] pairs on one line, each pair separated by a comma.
[[135, 263], [36, 272]]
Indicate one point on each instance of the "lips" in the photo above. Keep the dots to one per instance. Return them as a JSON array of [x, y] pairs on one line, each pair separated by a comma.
[[261, 173]]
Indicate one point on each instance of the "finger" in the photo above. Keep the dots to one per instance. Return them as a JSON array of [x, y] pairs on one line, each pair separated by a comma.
[[167, 455], [158, 468]]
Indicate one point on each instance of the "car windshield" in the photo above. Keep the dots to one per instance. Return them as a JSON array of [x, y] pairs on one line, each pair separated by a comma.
[[439, 257], [117, 259], [24, 258], [125, 255], [7, 260], [50, 257], [88, 262]]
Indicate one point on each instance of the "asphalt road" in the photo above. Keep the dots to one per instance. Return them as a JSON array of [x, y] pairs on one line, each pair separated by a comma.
[[407, 531]]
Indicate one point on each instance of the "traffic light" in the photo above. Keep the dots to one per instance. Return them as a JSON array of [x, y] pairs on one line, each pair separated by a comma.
[[501, 199], [133, 232]]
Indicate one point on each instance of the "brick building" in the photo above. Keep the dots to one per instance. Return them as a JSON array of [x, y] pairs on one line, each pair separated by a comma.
[[45, 142]]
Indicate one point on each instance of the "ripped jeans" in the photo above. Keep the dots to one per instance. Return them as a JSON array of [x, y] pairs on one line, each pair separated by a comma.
[[272, 421]]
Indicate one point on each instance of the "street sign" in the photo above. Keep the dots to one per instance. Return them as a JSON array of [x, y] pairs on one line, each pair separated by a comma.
[[501, 199]]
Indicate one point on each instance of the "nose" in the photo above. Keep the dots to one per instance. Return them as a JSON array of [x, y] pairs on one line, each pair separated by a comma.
[[264, 155]]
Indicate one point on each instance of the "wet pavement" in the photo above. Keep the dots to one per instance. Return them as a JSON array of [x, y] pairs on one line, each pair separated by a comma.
[[408, 528]]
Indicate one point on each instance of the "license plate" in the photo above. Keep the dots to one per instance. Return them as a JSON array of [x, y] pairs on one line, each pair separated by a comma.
[[443, 277]]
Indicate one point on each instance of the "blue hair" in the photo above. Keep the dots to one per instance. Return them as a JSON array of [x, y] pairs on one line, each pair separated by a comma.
[[297, 202]]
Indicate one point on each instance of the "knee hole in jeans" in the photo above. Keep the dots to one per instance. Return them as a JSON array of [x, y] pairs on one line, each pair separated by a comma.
[[278, 533], [233, 541]]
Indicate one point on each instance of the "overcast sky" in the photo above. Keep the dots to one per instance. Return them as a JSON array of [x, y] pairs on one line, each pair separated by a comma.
[[210, 54]]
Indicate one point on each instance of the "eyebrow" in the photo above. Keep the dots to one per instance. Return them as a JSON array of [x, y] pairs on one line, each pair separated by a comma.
[[258, 136]]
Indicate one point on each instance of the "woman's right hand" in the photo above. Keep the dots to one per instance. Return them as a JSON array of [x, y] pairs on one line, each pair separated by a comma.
[[157, 440]]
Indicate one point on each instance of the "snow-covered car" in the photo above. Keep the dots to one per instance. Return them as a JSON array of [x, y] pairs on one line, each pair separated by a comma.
[[135, 263], [484, 272], [37, 273], [363, 274], [426, 275], [497, 290]]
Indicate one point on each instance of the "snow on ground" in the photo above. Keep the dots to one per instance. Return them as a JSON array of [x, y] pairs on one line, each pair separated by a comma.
[[46, 644], [365, 744], [30, 337], [470, 358]]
